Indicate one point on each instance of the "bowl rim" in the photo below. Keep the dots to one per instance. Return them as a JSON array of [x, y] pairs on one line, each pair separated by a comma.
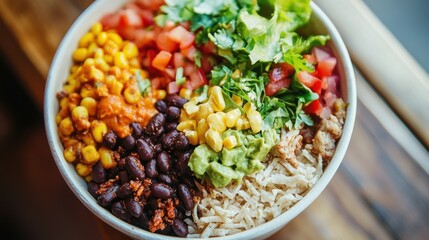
[[265, 229]]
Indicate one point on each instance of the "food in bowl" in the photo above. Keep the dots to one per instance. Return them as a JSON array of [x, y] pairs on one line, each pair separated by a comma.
[[201, 118]]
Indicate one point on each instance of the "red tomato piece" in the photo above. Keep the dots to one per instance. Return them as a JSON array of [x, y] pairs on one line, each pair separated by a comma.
[[182, 36], [326, 67], [130, 18], [178, 60], [281, 71], [143, 38], [161, 60], [317, 86], [310, 58], [153, 5], [315, 107], [172, 88], [110, 20], [273, 87], [187, 85], [307, 79], [171, 73], [198, 79], [163, 42], [208, 47], [320, 53], [189, 52]]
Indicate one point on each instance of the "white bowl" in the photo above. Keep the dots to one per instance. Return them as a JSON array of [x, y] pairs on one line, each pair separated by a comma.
[[320, 24]]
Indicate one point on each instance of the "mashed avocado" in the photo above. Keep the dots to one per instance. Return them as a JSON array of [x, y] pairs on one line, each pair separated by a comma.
[[232, 164]]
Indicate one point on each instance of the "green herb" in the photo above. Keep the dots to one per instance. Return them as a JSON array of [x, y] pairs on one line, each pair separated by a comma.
[[180, 79], [144, 84]]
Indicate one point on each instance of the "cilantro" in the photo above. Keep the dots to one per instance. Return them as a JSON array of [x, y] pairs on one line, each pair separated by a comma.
[[180, 79], [144, 84]]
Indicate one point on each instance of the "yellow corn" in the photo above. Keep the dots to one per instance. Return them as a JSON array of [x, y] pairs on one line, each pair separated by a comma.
[[205, 110], [96, 28], [213, 104], [90, 154], [102, 90], [120, 60], [160, 94], [202, 128], [79, 113], [237, 100], [125, 75], [214, 140], [236, 74], [232, 117], [216, 121], [115, 38], [106, 158], [134, 63], [58, 118], [87, 91], [183, 116], [192, 136], [255, 121], [187, 125], [98, 129], [98, 53], [70, 154], [242, 123], [230, 142], [88, 139], [92, 48], [130, 50], [66, 127], [88, 178], [108, 59], [101, 64], [116, 88], [191, 108], [102, 39], [90, 104], [216, 94], [110, 47], [80, 54], [185, 93], [83, 169], [132, 95], [86, 39], [64, 102]]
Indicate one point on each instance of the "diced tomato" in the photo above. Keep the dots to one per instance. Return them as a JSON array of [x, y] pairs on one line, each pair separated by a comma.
[[171, 73], [157, 83], [326, 67], [281, 71], [198, 79], [161, 60], [143, 37], [110, 20], [317, 86], [182, 36], [172, 88], [187, 85], [320, 53], [189, 68], [147, 17], [315, 107], [307, 79], [208, 48], [310, 58], [329, 98], [206, 64], [189, 52], [153, 5], [332, 83], [130, 18], [178, 60], [273, 87], [163, 42]]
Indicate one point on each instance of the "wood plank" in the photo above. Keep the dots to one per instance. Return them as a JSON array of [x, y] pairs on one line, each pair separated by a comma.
[[383, 61]]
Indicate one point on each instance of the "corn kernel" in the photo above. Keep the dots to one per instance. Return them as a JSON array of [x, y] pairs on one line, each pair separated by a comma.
[[161, 94], [237, 100], [187, 125], [202, 128], [80, 54], [90, 104], [132, 95], [115, 38], [101, 64], [192, 136], [70, 154], [216, 121], [88, 64], [130, 50], [96, 74], [106, 158], [249, 107], [242, 123], [102, 90], [102, 39], [216, 94], [191, 108], [255, 120], [205, 110], [125, 75], [87, 91], [88, 139], [66, 127], [214, 140], [116, 88], [99, 53], [183, 116], [232, 117], [79, 112], [236, 74], [108, 58], [230, 142], [83, 169], [86, 39], [185, 93], [98, 129], [92, 48], [58, 119], [88, 178], [120, 60], [96, 28], [90, 154], [64, 102], [134, 63], [110, 47]]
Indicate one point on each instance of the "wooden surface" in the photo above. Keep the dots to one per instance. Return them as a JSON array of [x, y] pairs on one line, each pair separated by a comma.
[[380, 191]]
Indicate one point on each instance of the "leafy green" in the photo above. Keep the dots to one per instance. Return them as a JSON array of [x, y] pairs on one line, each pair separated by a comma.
[[144, 84], [180, 79]]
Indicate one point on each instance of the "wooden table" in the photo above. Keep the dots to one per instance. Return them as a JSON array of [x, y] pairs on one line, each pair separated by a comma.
[[381, 190]]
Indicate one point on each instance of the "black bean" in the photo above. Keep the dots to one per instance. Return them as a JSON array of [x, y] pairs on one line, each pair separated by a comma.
[[121, 164], [150, 168], [111, 173], [164, 162], [169, 140], [133, 207], [182, 142], [165, 178], [175, 100], [157, 148], [173, 114], [136, 129], [92, 189], [166, 230], [154, 125], [123, 177], [128, 143], [122, 152], [119, 210], [134, 167], [143, 221], [181, 164], [98, 173], [180, 228], [188, 180], [145, 150], [161, 190], [124, 191], [154, 203], [179, 214], [171, 126], [110, 139], [185, 196], [108, 196], [161, 106]]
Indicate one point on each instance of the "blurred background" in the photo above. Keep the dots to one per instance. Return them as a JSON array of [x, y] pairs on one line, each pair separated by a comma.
[[37, 204]]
